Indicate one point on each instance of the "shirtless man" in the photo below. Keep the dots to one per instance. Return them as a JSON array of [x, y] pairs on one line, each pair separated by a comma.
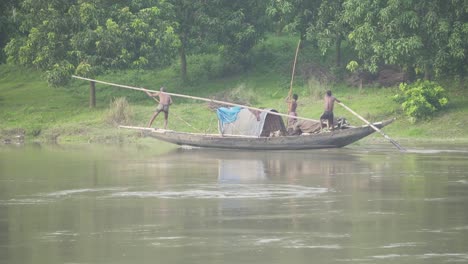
[[165, 101], [328, 113], [292, 110]]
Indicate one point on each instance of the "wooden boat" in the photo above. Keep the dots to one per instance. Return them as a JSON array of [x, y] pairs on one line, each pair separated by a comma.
[[334, 139], [257, 130]]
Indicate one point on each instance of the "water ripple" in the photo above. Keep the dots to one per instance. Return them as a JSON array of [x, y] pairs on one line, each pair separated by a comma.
[[388, 256], [299, 246], [459, 256], [398, 245], [77, 191], [59, 236], [23, 201], [236, 191], [43, 198]]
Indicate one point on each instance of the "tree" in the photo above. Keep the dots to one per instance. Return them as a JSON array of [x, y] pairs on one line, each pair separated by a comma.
[[121, 34], [241, 24], [330, 29], [430, 36], [294, 15], [229, 27], [191, 21], [7, 21], [105, 34]]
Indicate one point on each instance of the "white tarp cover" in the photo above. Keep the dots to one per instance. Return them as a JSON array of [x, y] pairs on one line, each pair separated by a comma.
[[245, 124]]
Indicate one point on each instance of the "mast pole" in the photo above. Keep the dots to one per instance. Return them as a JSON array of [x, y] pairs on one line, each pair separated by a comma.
[[292, 77]]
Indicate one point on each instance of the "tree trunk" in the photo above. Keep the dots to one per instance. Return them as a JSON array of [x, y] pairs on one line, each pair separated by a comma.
[[462, 77], [92, 94], [410, 74], [427, 72], [302, 34], [183, 63], [338, 51]]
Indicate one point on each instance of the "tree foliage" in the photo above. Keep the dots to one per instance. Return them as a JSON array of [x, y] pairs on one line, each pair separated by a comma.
[[124, 34], [7, 21], [295, 16], [330, 29], [108, 36], [429, 38], [420, 100], [242, 25]]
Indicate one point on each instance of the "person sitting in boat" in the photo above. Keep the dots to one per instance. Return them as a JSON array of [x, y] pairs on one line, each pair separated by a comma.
[[292, 110], [165, 101], [328, 113]]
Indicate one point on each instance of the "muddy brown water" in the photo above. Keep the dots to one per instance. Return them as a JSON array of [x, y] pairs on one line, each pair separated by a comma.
[[101, 204]]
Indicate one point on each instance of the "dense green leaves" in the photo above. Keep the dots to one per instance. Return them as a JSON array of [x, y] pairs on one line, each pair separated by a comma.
[[96, 33], [132, 34], [425, 35], [294, 15], [428, 38], [8, 18], [59, 74], [241, 25], [421, 99]]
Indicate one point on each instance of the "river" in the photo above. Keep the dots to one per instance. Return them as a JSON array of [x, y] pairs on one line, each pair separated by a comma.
[[136, 204]]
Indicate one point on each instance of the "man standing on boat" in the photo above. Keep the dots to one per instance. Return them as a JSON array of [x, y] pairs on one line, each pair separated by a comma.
[[165, 101], [292, 110], [328, 113]]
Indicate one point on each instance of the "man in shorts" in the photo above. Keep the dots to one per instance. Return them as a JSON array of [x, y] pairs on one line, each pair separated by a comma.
[[292, 110], [328, 113], [165, 101]]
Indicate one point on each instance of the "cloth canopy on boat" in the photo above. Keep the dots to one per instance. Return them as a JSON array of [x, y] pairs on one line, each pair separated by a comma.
[[228, 114], [242, 121]]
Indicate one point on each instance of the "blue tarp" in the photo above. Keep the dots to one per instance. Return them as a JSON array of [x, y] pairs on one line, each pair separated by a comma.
[[228, 115]]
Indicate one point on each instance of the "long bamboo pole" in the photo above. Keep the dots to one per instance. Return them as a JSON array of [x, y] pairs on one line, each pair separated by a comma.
[[292, 77], [374, 127], [193, 97]]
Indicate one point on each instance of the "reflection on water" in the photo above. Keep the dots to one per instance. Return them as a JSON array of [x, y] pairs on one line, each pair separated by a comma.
[[138, 205], [234, 171]]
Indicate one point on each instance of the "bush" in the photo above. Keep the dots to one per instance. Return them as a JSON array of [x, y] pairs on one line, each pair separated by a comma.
[[60, 74], [420, 100], [201, 67], [241, 94], [120, 112], [316, 89]]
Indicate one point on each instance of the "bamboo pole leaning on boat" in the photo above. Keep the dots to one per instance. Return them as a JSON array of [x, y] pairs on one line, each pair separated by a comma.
[[374, 127], [193, 97]]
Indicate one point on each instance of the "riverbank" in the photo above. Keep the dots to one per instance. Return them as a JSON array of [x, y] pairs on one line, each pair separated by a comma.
[[32, 111]]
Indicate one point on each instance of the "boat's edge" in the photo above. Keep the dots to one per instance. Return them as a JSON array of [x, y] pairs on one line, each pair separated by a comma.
[[333, 139]]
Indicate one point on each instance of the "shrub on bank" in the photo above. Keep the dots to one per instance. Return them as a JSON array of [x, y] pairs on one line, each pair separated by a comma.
[[120, 112], [421, 99]]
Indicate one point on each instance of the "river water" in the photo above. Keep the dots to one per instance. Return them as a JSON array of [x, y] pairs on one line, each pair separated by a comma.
[[101, 204]]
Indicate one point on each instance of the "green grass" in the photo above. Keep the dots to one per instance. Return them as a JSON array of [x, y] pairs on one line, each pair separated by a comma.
[[62, 114]]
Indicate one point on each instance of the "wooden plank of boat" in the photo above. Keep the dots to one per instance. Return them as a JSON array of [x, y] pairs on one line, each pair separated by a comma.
[[334, 139]]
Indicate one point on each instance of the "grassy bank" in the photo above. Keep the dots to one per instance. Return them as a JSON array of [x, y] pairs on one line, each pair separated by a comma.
[[28, 106]]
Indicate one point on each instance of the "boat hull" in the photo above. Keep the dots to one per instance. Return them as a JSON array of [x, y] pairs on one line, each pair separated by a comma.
[[335, 139]]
